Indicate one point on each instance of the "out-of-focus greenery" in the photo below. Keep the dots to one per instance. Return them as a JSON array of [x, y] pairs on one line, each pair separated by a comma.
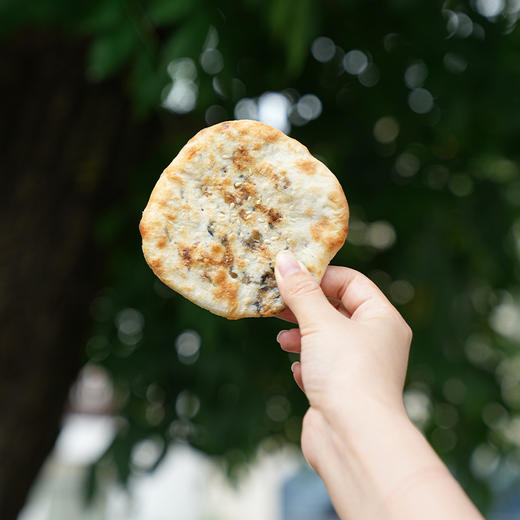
[[422, 127]]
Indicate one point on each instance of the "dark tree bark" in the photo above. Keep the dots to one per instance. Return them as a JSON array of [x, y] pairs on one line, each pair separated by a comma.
[[65, 146]]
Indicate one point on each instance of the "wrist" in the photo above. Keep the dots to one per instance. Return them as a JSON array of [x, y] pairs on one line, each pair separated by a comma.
[[378, 465]]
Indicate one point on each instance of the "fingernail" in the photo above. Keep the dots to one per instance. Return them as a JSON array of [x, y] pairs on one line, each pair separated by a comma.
[[278, 335], [287, 264], [293, 366]]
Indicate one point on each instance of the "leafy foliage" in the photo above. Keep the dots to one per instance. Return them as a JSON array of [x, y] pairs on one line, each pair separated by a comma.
[[423, 137]]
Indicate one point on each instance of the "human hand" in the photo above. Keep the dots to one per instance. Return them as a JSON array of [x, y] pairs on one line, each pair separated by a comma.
[[354, 347], [353, 343]]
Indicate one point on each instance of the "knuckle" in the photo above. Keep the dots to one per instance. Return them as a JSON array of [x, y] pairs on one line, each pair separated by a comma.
[[302, 286]]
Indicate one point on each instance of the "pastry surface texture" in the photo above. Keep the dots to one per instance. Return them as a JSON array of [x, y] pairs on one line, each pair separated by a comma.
[[236, 194]]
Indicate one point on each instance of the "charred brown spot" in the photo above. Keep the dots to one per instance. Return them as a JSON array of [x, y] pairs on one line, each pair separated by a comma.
[[241, 158], [187, 260], [230, 198], [228, 259], [274, 216], [242, 214], [233, 275], [254, 240], [161, 243], [308, 167], [217, 253], [245, 191], [211, 229], [225, 289]]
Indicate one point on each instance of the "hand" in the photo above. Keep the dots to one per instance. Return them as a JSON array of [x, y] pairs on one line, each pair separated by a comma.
[[354, 347], [353, 343]]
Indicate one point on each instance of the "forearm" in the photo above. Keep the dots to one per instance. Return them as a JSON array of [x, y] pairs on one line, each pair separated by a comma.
[[380, 466]]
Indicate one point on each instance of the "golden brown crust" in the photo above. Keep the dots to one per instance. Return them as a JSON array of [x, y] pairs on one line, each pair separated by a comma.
[[235, 195]]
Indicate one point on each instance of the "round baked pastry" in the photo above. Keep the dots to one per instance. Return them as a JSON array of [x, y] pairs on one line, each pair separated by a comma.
[[236, 194]]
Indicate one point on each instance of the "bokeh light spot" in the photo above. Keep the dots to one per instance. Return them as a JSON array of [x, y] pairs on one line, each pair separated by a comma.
[[407, 164], [461, 185], [418, 407], [323, 49], [401, 292], [454, 390], [187, 405], [187, 346], [490, 8], [420, 101], [355, 62], [454, 63], [380, 234], [415, 75], [212, 61], [246, 108], [309, 107], [215, 114], [146, 453], [278, 408], [181, 97], [386, 129], [370, 76], [484, 460], [273, 109]]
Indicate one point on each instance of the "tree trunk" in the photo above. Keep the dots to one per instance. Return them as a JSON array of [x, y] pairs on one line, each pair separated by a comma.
[[65, 145]]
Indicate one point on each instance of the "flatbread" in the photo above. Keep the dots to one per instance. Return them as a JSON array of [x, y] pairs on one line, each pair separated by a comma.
[[237, 194]]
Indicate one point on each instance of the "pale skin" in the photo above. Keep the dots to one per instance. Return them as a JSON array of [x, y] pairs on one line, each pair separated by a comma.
[[354, 347]]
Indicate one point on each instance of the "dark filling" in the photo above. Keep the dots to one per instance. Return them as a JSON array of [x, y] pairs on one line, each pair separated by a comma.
[[211, 229], [254, 240]]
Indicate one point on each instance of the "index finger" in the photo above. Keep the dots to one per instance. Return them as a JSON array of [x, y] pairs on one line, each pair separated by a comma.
[[361, 297]]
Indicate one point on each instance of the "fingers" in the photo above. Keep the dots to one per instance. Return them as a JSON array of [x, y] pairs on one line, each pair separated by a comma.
[[290, 340], [361, 298], [287, 315], [296, 368], [301, 293]]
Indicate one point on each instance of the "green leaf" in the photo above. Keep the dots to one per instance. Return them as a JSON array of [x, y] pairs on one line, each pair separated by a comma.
[[299, 32], [279, 16], [162, 12], [103, 15], [187, 40], [146, 82], [109, 53]]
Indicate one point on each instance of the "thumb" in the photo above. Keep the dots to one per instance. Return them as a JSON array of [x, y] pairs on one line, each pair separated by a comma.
[[301, 292]]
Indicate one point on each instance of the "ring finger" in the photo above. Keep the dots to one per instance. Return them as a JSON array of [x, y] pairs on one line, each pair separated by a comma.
[[290, 340]]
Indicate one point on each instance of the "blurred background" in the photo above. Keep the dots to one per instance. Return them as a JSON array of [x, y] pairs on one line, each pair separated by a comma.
[[120, 399]]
